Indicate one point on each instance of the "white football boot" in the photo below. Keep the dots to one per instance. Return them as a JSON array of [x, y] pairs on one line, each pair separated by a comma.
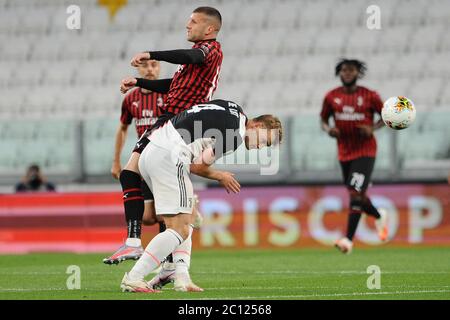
[[345, 245], [381, 225], [128, 285], [183, 283]]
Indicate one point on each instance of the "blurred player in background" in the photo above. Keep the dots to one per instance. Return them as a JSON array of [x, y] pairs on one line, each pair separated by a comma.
[[34, 181], [194, 82], [144, 106], [352, 108], [177, 149]]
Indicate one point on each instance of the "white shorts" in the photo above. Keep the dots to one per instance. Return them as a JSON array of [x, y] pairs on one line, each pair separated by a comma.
[[169, 180]]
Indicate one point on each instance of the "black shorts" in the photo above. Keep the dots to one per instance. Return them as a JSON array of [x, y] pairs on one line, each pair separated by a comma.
[[143, 140], [357, 173], [146, 192]]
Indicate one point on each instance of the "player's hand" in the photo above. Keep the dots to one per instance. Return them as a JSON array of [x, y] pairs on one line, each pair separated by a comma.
[[116, 169], [127, 84], [334, 132], [366, 130], [140, 58], [228, 181]]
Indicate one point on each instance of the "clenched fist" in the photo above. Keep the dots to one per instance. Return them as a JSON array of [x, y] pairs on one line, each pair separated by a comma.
[[140, 58], [127, 84]]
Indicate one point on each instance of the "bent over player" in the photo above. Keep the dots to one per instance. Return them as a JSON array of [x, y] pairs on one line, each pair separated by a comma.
[[202, 133], [353, 108]]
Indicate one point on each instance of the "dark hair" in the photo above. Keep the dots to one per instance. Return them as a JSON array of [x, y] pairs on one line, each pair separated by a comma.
[[210, 11], [360, 66]]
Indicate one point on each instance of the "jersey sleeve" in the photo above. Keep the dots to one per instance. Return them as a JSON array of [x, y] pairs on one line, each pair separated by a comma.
[[377, 103], [125, 116], [209, 50], [326, 108]]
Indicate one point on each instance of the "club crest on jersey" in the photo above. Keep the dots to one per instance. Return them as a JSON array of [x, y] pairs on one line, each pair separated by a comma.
[[337, 100], [359, 101]]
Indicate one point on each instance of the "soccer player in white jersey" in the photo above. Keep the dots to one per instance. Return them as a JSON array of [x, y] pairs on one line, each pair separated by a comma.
[[188, 143]]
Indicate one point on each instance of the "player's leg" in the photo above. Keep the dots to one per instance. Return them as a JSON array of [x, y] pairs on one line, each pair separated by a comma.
[[133, 202], [366, 165], [174, 200], [345, 244], [150, 218]]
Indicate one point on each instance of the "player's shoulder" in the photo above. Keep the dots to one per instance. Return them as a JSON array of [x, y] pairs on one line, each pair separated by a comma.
[[333, 92], [367, 90], [208, 46], [131, 94]]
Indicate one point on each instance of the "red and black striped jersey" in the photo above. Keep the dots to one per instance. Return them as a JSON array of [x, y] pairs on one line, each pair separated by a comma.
[[349, 111], [195, 83], [144, 108]]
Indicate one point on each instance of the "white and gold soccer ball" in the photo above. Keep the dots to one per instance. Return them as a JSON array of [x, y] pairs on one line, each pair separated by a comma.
[[398, 112]]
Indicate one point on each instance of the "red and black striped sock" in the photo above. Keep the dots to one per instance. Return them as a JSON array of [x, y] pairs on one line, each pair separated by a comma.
[[133, 202]]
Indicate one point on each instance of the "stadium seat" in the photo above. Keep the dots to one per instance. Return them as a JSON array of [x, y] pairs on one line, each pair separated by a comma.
[[438, 12], [411, 13], [361, 41], [425, 93], [237, 43], [250, 68], [347, 14], [426, 39], [394, 39], [332, 41], [267, 42], [315, 14], [284, 16], [299, 41], [92, 73], [410, 65], [142, 41]]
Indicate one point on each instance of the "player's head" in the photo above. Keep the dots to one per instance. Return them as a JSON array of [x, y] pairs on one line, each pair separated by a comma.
[[263, 131], [149, 69], [204, 24], [350, 70]]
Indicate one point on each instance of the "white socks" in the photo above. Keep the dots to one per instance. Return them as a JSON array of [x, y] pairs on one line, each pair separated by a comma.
[[182, 255], [161, 245], [133, 242]]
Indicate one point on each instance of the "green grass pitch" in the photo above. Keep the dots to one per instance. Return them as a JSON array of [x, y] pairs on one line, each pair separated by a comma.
[[406, 273]]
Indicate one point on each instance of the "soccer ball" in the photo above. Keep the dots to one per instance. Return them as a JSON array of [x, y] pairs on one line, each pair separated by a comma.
[[398, 113]]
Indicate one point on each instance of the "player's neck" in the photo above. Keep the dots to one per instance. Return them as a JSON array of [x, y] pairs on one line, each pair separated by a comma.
[[145, 91], [350, 89]]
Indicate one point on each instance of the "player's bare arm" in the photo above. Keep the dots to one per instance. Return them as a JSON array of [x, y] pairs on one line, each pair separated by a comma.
[[203, 169], [226, 179], [331, 131], [121, 135]]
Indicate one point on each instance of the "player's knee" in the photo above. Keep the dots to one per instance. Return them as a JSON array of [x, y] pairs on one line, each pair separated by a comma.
[[356, 201], [129, 178], [149, 221]]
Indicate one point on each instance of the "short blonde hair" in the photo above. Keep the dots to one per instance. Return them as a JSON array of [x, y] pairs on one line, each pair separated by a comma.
[[271, 122]]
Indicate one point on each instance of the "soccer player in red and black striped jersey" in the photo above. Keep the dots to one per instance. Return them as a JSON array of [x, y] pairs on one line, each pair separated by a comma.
[[144, 106], [353, 108], [194, 82]]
